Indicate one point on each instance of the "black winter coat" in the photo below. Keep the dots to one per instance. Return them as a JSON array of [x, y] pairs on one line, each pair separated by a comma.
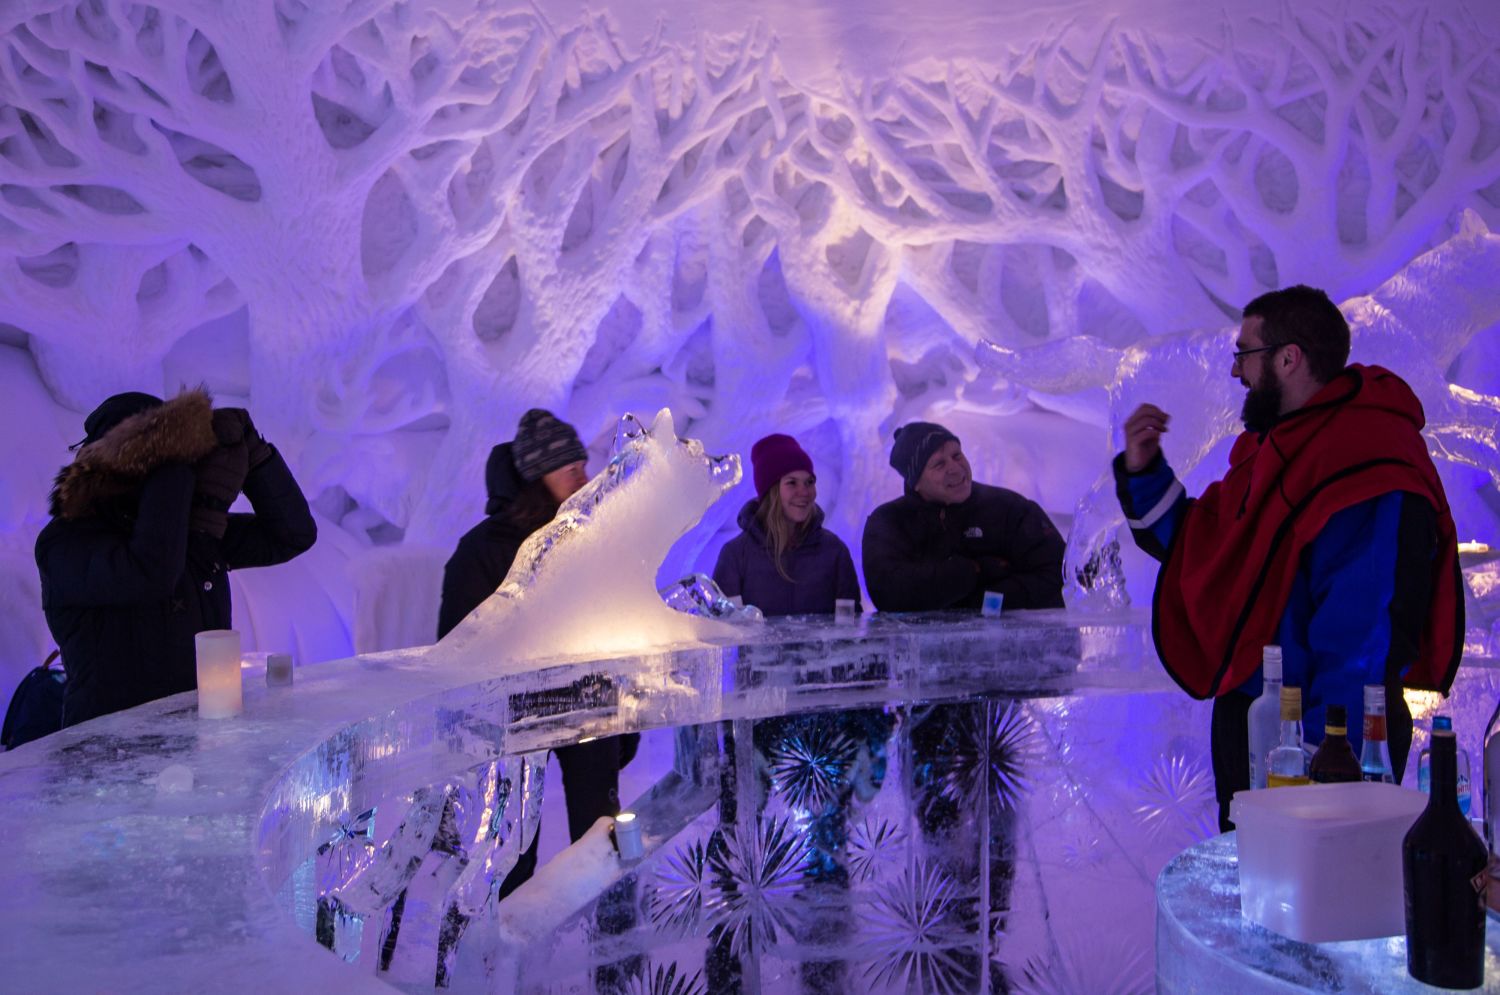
[[486, 552], [126, 586], [477, 567], [921, 556]]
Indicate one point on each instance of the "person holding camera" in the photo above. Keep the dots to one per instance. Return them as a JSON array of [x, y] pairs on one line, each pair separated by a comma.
[[136, 559]]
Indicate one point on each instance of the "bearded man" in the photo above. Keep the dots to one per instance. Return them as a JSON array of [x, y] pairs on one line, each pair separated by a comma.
[[1330, 535]]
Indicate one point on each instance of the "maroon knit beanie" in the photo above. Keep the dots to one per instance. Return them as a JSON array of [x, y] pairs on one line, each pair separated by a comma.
[[774, 457]]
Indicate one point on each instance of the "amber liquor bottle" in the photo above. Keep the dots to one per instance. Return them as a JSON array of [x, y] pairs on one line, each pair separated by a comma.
[[1335, 760]]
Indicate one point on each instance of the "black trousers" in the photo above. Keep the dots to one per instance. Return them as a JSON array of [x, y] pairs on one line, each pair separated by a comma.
[[1229, 743], [591, 788]]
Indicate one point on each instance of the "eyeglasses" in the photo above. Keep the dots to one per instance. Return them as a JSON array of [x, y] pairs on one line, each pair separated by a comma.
[[1248, 352]]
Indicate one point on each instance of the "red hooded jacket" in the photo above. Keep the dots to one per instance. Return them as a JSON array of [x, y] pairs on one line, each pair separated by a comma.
[[1229, 572]]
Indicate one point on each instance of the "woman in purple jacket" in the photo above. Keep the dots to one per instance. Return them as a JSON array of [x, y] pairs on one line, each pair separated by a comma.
[[784, 562]]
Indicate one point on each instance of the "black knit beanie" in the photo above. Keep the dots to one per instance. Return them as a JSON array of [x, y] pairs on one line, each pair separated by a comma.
[[543, 443], [114, 410], [915, 443]]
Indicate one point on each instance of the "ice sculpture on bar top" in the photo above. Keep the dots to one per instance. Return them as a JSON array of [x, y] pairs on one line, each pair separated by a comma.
[[699, 595], [586, 584]]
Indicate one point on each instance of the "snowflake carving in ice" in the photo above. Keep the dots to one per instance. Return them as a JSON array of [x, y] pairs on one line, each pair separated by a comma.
[[916, 937], [810, 768], [347, 852], [682, 891], [1176, 795], [1085, 850], [871, 844], [988, 746], [1088, 964], [756, 882], [665, 980]]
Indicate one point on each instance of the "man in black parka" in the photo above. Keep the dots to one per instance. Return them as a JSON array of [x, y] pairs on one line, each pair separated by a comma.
[[136, 558], [941, 545], [948, 540]]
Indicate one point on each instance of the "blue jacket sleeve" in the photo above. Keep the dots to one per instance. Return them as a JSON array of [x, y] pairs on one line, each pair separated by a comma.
[[1153, 501]]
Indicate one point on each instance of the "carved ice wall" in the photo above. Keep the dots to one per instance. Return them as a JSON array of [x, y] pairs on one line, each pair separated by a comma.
[[390, 228]]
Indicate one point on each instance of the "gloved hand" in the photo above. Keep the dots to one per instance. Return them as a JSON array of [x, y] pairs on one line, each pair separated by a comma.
[[259, 449], [230, 425], [220, 475]]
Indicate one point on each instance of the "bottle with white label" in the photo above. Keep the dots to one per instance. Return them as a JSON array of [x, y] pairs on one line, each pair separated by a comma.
[[1375, 755], [1264, 717], [1424, 766]]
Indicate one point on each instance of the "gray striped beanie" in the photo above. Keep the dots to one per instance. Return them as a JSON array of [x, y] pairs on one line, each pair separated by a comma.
[[544, 443]]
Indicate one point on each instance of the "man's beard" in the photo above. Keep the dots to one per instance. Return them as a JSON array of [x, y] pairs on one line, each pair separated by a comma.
[[1262, 409]]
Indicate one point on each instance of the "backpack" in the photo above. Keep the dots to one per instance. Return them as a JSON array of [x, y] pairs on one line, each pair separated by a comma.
[[36, 709]]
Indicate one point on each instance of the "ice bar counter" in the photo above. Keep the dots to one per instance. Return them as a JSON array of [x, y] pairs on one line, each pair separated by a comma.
[[902, 803]]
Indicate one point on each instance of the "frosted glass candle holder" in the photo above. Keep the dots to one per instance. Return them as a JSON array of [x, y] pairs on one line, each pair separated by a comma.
[[279, 670], [628, 842], [220, 687]]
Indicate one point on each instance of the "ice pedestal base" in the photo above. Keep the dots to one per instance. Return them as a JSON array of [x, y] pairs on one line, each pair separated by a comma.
[[1204, 944]]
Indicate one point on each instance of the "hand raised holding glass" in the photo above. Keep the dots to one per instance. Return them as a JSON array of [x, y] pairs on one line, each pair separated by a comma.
[[1143, 431]]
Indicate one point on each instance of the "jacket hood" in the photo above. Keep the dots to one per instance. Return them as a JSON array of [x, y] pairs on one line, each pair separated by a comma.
[[752, 526], [501, 481], [179, 431], [1371, 388], [1381, 389]]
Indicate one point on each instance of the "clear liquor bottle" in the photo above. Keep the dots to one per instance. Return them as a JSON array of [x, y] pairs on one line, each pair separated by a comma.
[[1445, 869], [1375, 754], [1287, 764], [1264, 717]]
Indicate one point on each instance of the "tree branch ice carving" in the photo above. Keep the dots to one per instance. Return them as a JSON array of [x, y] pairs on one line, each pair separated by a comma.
[[438, 215]]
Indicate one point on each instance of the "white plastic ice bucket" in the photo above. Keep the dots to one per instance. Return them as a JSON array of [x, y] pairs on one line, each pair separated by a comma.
[[1322, 862]]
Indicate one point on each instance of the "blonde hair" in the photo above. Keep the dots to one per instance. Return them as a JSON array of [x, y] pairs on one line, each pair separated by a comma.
[[782, 534]]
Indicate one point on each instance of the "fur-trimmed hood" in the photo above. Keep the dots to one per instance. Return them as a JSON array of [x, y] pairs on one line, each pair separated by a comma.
[[181, 430]]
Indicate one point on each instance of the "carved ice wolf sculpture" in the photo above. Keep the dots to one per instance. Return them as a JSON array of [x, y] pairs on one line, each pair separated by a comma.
[[587, 582]]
